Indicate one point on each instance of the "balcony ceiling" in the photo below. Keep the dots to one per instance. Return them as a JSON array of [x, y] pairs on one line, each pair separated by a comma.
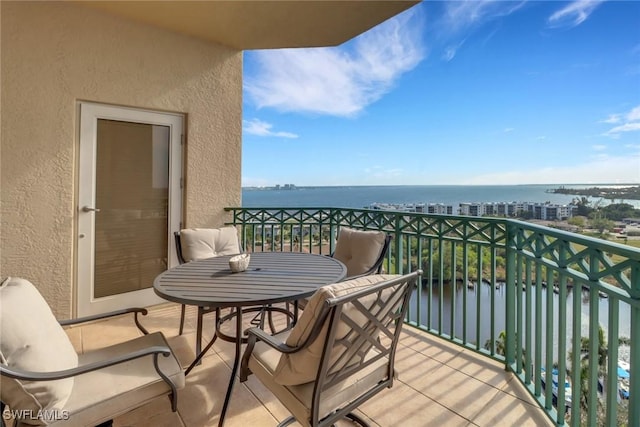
[[260, 24]]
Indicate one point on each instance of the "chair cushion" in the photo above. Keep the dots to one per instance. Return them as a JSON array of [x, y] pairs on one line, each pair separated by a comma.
[[104, 394], [302, 367], [32, 340], [359, 250], [201, 243], [298, 398]]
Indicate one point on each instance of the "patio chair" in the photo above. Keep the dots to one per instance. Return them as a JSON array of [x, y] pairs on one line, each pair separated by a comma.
[[339, 354], [362, 252], [43, 381], [200, 243]]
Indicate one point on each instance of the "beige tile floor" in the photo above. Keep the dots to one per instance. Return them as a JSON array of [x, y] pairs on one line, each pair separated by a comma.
[[439, 384]]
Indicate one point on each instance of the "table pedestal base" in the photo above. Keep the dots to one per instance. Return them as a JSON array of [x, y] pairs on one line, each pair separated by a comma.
[[239, 339]]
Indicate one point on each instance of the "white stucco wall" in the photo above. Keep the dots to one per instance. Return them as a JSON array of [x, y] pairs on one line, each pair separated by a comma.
[[54, 54]]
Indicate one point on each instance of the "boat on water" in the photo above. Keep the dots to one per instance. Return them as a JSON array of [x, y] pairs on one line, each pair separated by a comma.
[[623, 388], [624, 366], [554, 386], [623, 378], [622, 374]]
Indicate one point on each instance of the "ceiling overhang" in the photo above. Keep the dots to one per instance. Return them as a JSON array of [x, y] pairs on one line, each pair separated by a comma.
[[245, 25]]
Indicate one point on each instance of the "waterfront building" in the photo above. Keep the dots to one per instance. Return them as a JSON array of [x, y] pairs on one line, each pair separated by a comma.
[[544, 211], [440, 209], [430, 208]]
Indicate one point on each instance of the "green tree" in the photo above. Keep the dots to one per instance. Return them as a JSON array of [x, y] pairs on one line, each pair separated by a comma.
[[500, 344], [433, 259], [619, 211], [578, 221], [601, 224], [602, 353], [583, 204], [525, 215]]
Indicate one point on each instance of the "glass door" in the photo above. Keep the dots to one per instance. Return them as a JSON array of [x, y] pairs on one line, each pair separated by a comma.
[[129, 204]]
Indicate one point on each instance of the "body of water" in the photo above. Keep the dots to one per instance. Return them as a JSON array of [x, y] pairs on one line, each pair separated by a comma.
[[363, 196], [499, 320]]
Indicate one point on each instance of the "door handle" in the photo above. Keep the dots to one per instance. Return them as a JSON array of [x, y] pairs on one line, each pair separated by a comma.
[[89, 209]]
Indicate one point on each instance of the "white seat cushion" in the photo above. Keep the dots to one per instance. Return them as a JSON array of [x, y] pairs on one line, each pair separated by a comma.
[[302, 367], [201, 243], [32, 340], [359, 250], [104, 394]]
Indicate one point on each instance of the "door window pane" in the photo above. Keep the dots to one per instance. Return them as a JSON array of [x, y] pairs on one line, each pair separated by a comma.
[[132, 193]]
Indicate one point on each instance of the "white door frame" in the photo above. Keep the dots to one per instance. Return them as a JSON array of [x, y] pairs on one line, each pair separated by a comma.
[[86, 302]]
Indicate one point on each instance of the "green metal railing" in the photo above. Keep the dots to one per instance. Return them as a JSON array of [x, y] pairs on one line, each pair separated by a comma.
[[541, 300]]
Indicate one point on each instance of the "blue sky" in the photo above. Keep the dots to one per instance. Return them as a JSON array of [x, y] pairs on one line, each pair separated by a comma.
[[475, 92]]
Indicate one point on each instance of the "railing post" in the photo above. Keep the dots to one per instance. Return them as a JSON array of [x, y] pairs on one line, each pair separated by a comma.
[[634, 356], [510, 294], [332, 229], [399, 245]]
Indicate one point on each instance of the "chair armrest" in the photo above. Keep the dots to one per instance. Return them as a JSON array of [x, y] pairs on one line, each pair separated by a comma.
[[254, 334], [134, 310], [261, 335], [66, 373]]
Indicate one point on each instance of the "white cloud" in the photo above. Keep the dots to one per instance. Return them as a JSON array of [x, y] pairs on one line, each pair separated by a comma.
[[612, 119], [627, 127], [631, 122], [634, 114], [623, 169], [599, 147], [339, 81], [574, 13], [260, 128], [451, 51], [461, 15], [507, 130]]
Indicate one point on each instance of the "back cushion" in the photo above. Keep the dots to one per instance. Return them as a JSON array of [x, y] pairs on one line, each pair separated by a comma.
[[302, 367], [201, 243], [32, 340], [358, 250]]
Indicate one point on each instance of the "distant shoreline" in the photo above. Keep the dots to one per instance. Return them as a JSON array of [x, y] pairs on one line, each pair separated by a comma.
[[618, 192], [298, 187]]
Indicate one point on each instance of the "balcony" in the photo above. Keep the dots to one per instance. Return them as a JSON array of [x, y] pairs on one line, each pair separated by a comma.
[[438, 384], [502, 305], [535, 300]]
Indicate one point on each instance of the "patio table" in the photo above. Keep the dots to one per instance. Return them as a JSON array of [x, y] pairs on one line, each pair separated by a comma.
[[272, 277]]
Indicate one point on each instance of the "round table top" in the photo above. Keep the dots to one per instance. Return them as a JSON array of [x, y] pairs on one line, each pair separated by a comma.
[[271, 277]]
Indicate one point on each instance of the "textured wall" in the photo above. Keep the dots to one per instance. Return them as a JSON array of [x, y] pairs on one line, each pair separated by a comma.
[[55, 54]]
